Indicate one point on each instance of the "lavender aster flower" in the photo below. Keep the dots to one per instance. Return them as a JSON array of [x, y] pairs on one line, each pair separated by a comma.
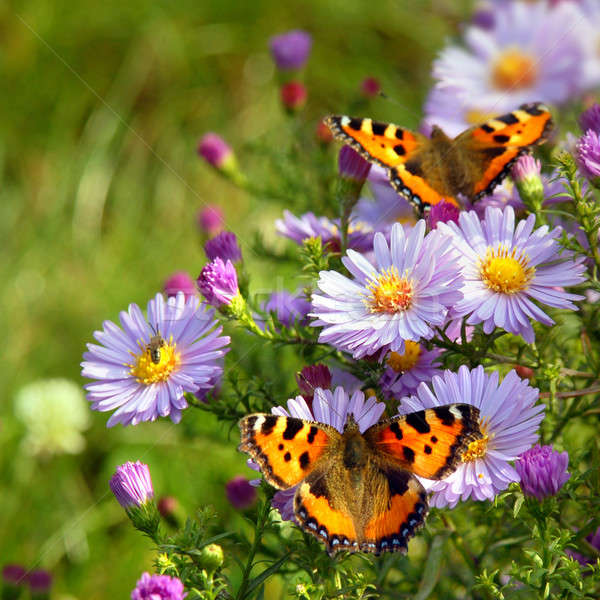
[[158, 587], [290, 50], [588, 154], [129, 378], [131, 484], [404, 372], [543, 471], [531, 51], [590, 118], [288, 308], [508, 419], [331, 408], [505, 269], [351, 165], [240, 493], [415, 279], [588, 31], [442, 212], [218, 283], [311, 378], [215, 150], [224, 246], [298, 229], [180, 282]]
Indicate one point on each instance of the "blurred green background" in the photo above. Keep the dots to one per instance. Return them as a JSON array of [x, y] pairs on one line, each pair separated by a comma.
[[102, 108]]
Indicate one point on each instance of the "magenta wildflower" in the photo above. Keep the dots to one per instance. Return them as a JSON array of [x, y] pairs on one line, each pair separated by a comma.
[[240, 493], [14, 575], [590, 118], [224, 246], [442, 212], [509, 419], [131, 484], [543, 471], [351, 165], [526, 167], [588, 154], [158, 587], [370, 87], [506, 268], [293, 95], [40, 582], [215, 150], [129, 377], [311, 378], [180, 281], [218, 283], [290, 50], [408, 291], [210, 219]]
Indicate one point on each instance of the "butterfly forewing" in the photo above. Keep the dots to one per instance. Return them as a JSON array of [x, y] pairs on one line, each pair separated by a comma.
[[428, 443], [286, 449]]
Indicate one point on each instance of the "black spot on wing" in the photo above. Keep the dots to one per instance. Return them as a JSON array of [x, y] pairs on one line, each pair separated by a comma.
[[311, 434], [395, 429], [427, 449], [418, 422], [292, 428], [268, 424], [487, 128], [378, 128], [434, 439], [414, 167], [287, 457], [280, 447], [509, 119], [444, 415], [355, 124], [399, 150], [409, 454], [532, 109], [399, 134], [397, 481], [304, 460], [493, 151], [318, 488], [501, 138]]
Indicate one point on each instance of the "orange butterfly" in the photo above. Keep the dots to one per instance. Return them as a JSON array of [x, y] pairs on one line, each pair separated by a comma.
[[359, 491], [427, 170]]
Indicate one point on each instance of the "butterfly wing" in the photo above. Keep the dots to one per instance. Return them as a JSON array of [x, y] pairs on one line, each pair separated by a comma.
[[492, 148], [400, 151], [428, 443], [286, 449]]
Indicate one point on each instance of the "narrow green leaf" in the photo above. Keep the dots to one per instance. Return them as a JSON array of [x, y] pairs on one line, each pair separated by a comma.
[[433, 568], [259, 579], [518, 503]]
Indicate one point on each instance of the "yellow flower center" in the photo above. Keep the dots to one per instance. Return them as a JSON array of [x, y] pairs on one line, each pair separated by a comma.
[[405, 362], [146, 371], [390, 293], [503, 271], [476, 449], [514, 69]]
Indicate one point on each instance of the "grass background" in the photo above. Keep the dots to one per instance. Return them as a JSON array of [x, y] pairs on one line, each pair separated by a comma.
[[102, 109]]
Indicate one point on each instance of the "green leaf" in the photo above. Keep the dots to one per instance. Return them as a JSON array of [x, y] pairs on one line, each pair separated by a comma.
[[518, 503], [433, 567], [259, 579]]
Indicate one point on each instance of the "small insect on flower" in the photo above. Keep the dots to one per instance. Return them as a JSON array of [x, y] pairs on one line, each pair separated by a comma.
[[156, 343]]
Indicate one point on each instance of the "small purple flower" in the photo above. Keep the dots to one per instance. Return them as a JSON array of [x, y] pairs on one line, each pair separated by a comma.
[[331, 408], [40, 582], [158, 587], [351, 165], [526, 167], [543, 471], [290, 50], [483, 16], [210, 219], [288, 308], [240, 493], [508, 419], [442, 212], [131, 484], [14, 574], [224, 246], [506, 268], [180, 281], [590, 118], [218, 283], [370, 87], [594, 540], [311, 378], [588, 154], [407, 292], [215, 150]]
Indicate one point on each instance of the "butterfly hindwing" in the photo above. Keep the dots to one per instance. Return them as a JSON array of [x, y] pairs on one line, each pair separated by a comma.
[[428, 443], [286, 448]]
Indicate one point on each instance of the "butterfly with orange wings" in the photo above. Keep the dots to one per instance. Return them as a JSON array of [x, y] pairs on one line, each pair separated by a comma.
[[428, 170], [358, 491]]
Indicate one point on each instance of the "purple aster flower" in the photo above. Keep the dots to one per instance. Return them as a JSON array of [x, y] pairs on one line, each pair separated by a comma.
[[224, 246], [360, 235], [442, 212], [240, 493], [505, 269], [215, 150], [508, 419], [331, 408], [588, 30], [218, 283], [40, 582], [407, 292], [133, 381], [180, 281], [131, 484], [290, 50], [543, 471], [404, 372], [210, 219], [594, 540], [531, 51], [14, 575], [158, 587], [288, 308], [351, 165], [526, 167], [311, 378], [483, 16], [590, 118], [588, 154]]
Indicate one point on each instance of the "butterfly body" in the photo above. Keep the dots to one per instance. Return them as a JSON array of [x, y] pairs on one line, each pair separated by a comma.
[[358, 491], [429, 170]]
